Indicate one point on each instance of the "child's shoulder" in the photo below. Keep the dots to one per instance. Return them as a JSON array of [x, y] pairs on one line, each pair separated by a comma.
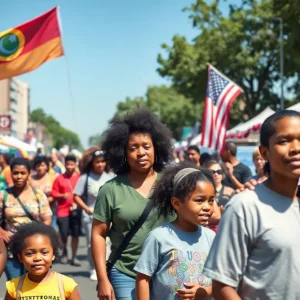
[[69, 284], [11, 286], [164, 231], [14, 281], [67, 279]]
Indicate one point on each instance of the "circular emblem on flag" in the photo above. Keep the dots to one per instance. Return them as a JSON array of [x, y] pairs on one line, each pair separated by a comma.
[[11, 44]]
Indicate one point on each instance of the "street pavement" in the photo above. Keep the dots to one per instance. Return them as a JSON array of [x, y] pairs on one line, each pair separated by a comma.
[[87, 288]]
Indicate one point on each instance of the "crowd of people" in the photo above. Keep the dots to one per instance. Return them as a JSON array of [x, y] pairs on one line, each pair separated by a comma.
[[156, 227]]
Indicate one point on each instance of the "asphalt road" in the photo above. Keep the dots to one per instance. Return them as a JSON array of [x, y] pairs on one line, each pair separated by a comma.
[[87, 288]]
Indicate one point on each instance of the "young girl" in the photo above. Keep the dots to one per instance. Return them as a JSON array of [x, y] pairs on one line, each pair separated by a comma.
[[255, 254], [174, 254], [36, 245]]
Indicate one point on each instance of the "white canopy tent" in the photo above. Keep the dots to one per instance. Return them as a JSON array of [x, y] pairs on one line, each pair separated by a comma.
[[18, 143], [243, 127], [3, 148], [259, 119], [295, 107]]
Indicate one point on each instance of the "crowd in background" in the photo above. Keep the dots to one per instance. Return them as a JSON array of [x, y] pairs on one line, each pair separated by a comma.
[[106, 193]]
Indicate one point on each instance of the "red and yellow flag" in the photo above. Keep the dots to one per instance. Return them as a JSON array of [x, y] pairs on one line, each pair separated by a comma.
[[26, 47]]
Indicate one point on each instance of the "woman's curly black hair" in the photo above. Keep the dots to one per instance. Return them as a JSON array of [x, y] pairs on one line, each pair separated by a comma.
[[139, 121], [30, 229], [164, 190]]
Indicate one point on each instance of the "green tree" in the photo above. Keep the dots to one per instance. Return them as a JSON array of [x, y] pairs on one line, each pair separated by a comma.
[[173, 109], [244, 46], [130, 104], [60, 135], [95, 140]]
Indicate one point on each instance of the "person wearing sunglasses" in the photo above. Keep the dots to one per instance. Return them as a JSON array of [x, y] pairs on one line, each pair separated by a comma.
[[223, 195]]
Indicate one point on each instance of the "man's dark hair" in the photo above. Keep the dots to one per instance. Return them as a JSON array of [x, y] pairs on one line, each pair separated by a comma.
[[231, 146], [194, 147], [70, 157]]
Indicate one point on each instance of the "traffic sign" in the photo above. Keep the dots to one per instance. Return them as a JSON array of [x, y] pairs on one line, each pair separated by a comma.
[[5, 122]]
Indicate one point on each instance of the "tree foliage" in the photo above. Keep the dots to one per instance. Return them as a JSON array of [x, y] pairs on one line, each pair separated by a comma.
[[60, 135], [130, 104], [95, 140], [173, 109], [244, 45]]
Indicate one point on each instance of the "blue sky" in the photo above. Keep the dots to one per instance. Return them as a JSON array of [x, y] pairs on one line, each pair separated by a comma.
[[111, 47]]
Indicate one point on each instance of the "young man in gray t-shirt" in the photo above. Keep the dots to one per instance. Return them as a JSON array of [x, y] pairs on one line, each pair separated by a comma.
[[257, 247]]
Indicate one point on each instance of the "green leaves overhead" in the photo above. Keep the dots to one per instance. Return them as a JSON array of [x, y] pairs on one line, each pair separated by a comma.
[[60, 135], [244, 45]]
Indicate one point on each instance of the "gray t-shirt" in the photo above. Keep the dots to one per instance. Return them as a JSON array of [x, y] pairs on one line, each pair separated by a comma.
[[173, 257], [95, 181], [257, 246]]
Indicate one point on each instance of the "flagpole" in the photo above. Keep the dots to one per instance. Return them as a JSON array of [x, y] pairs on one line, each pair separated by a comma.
[[68, 71]]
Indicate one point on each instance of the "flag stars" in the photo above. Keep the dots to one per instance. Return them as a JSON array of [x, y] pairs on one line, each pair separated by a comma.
[[216, 86]]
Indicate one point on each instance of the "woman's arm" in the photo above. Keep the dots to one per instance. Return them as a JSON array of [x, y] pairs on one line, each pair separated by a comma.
[[46, 219], [99, 233], [6, 235], [224, 292], [142, 287], [50, 199], [75, 295], [3, 256], [82, 205], [45, 210]]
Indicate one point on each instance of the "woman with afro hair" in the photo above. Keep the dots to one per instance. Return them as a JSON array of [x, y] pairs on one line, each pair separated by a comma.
[[137, 148]]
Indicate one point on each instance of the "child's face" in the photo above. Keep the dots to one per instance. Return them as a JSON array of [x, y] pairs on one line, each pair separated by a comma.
[[70, 166], [283, 152], [199, 208], [37, 255]]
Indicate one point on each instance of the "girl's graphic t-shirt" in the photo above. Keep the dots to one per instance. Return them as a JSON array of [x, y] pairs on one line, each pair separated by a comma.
[[44, 290], [173, 257]]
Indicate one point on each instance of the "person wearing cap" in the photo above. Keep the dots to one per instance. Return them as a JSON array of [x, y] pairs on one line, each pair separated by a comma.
[[94, 173]]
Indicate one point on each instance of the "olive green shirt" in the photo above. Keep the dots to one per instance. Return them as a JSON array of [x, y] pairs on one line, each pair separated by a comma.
[[121, 205]]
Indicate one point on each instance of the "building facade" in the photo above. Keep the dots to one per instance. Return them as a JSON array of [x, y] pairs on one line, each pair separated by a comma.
[[15, 102]]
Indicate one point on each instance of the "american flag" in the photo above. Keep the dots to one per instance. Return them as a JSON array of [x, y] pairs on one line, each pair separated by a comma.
[[220, 94]]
